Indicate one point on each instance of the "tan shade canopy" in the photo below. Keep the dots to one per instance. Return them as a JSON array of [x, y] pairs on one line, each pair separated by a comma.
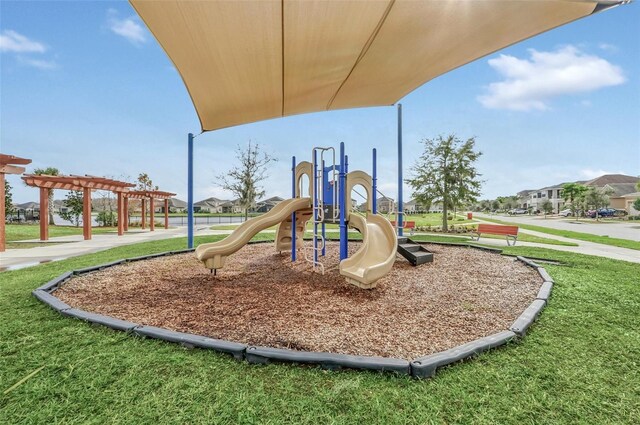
[[245, 61]]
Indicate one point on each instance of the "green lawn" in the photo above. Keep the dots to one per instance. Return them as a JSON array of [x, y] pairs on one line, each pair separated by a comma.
[[588, 237], [578, 364], [522, 237], [432, 219], [21, 232]]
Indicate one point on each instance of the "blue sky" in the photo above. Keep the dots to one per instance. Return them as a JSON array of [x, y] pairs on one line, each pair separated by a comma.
[[84, 87]]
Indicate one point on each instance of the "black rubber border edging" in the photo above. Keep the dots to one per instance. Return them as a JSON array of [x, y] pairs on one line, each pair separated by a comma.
[[422, 367]]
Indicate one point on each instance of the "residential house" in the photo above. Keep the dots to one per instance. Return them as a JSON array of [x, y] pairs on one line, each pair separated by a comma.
[[232, 207], [385, 205], [209, 205], [175, 205], [267, 204], [619, 184], [629, 199]]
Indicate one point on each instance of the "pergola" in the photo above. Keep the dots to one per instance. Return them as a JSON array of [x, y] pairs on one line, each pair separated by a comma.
[[150, 195], [9, 164], [86, 184]]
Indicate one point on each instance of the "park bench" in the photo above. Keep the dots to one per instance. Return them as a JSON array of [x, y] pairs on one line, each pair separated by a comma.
[[406, 225], [510, 232]]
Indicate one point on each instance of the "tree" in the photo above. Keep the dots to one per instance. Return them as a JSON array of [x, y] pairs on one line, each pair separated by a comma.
[[145, 182], [574, 194], [49, 171], [636, 204], [74, 204], [8, 199], [547, 207], [446, 173], [597, 198], [244, 179]]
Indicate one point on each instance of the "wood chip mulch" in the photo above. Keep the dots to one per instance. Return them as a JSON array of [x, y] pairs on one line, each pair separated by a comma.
[[261, 298]]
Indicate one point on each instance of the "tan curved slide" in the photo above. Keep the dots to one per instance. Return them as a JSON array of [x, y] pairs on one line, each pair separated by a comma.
[[214, 254], [377, 254]]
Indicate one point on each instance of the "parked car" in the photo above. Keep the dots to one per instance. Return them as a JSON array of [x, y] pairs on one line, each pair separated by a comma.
[[603, 212], [516, 211], [565, 213]]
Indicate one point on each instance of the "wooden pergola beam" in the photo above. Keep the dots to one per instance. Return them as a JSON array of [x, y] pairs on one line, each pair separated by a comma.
[[10, 169]]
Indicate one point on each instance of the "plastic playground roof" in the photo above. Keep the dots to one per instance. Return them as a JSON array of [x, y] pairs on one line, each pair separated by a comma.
[[246, 61]]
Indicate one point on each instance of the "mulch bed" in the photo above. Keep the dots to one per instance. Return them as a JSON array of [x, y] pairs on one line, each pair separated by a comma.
[[261, 298]]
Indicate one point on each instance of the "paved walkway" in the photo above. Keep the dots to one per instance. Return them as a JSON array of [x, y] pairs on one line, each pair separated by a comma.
[[614, 229], [75, 245], [584, 247]]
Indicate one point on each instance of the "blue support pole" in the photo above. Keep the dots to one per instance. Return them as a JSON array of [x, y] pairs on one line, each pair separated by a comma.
[[315, 207], [374, 189], [324, 230], [343, 211], [399, 218], [293, 215], [190, 193]]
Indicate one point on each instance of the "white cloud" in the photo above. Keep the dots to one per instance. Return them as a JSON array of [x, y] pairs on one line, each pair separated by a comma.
[[608, 47], [588, 173], [11, 41], [529, 84], [129, 28], [38, 63]]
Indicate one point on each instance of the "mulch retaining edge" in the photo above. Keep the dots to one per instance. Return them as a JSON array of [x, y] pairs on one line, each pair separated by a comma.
[[421, 367]]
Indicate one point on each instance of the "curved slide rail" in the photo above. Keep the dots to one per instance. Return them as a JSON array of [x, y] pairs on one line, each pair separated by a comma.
[[377, 254], [214, 254]]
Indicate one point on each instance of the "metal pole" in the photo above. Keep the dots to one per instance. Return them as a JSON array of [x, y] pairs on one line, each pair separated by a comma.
[[293, 215], [374, 203], [323, 226], [399, 218], [190, 193], [343, 220], [315, 208]]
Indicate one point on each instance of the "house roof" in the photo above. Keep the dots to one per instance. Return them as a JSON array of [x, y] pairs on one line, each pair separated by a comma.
[[620, 189], [177, 203], [210, 202], [633, 195], [612, 178], [28, 206]]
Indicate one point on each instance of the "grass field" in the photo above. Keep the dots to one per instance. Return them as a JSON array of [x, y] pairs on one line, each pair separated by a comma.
[[333, 228], [587, 237], [578, 364], [20, 232]]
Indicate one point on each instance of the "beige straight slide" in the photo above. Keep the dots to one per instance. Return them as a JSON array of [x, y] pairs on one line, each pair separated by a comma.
[[214, 254], [377, 254]]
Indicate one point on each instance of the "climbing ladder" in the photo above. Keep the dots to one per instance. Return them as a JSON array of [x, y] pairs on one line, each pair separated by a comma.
[[415, 253], [318, 246]]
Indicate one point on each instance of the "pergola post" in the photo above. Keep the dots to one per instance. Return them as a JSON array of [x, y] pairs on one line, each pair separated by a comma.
[[166, 214], [125, 207], [44, 214], [152, 215], [120, 213], [86, 213], [143, 225]]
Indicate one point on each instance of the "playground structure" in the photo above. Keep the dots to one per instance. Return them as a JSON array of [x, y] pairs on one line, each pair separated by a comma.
[[329, 201]]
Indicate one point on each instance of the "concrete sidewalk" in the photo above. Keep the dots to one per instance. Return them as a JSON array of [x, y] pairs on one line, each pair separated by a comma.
[[73, 246], [584, 247]]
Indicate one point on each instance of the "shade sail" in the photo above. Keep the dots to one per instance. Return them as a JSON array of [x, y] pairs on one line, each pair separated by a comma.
[[245, 61]]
